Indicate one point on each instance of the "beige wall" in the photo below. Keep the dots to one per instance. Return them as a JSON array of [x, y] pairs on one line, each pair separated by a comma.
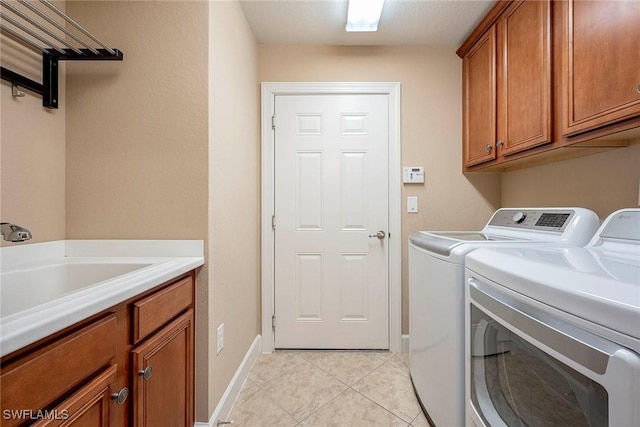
[[431, 125], [234, 194], [137, 136], [602, 182], [137, 129], [32, 151]]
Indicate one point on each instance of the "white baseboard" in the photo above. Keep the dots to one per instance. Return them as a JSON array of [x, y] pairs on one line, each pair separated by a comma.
[[223, 410], [405, 343]]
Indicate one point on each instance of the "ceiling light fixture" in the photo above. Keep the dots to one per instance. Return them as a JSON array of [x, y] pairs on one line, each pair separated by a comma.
[[363, 15]]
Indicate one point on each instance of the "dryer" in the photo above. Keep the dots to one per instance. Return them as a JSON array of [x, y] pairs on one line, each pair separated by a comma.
[[564, 325], [436, 295]]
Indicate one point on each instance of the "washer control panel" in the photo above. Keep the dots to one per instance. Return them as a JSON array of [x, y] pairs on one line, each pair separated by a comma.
[[549, 220]]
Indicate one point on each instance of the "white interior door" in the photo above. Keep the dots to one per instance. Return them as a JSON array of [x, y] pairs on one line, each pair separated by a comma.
[[331, 195]]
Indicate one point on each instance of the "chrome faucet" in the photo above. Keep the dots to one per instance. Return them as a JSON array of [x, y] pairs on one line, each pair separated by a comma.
[[14, 233]]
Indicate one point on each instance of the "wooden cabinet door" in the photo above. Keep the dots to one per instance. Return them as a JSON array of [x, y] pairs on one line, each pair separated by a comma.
[[601, 64], [91, 406], [479, 103], [165, 398], [524, 76], [35, 381]]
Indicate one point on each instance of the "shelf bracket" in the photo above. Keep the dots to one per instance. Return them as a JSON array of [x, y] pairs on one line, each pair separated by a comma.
[[18, 80], [49, 81], [50, 65]]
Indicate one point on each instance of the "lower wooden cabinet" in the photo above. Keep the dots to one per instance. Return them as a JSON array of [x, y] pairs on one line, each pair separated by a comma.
[[130, 365], [37, 381], [163, 370], [91, 406]]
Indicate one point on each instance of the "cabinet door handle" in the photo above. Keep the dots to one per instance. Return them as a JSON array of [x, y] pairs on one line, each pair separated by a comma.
[[145, 373], [121, 396], [638, 88], [488, 147], [499, 143]]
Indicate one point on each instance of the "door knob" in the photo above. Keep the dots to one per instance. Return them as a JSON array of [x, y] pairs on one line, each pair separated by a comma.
[[488, 147], [380, 235]]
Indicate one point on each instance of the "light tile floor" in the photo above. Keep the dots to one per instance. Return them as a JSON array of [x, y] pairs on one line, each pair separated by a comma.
[[328, 388]]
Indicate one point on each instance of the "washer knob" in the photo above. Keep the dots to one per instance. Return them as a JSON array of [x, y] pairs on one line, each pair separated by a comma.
[[519, 217]]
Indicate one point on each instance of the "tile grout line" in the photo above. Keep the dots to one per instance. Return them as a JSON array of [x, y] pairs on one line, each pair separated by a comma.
[[376, 403], [385, 409], [340, 379], [383, 361], [389, 360], [277, 403], [331, 400], [350, 387]]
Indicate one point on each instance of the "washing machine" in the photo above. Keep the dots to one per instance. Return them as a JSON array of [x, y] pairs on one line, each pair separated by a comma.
[[562, 330], [436, 295]]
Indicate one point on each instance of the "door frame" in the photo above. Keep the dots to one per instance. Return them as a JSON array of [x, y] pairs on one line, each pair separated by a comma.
[[269, 91]]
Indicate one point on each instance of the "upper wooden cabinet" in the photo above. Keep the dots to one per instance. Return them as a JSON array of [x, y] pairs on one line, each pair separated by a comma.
[[507, 84], [479, 70], [542, 77], [601, 64], [524, 76]]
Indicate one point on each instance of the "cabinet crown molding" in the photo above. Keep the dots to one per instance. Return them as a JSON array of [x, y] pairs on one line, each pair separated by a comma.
[[489, 19]]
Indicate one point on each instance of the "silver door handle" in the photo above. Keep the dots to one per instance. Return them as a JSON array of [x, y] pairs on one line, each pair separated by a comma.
[[380, 235]]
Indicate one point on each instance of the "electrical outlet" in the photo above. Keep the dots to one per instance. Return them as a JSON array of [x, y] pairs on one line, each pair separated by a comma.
[[220, 338]]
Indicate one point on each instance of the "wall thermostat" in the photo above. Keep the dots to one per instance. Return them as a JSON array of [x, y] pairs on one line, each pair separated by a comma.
[[413, 174]]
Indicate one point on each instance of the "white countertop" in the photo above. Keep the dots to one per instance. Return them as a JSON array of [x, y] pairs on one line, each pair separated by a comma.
[[25, 269]]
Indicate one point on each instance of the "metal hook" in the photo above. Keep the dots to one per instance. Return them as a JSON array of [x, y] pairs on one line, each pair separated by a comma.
[[16, 92]]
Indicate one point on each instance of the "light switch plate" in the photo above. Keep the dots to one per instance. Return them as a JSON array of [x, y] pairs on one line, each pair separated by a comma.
[[220, 338], [412, 204]]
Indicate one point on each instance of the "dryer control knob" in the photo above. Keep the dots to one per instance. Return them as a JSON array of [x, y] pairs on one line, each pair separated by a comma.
[[519, 217]]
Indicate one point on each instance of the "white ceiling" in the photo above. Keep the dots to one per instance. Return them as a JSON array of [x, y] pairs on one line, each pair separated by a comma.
[[403, 22]]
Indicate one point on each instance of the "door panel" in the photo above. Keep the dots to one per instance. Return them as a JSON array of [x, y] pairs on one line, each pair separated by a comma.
[[525, 76], [601, 74], [479, 106], [164, 398], [331, 193]]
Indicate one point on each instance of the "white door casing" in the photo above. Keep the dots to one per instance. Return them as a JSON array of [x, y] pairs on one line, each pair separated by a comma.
[[354, 249], [331, 195]]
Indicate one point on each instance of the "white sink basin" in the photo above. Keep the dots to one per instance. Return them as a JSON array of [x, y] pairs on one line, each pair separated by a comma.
[[23, 289], [46, 287]]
